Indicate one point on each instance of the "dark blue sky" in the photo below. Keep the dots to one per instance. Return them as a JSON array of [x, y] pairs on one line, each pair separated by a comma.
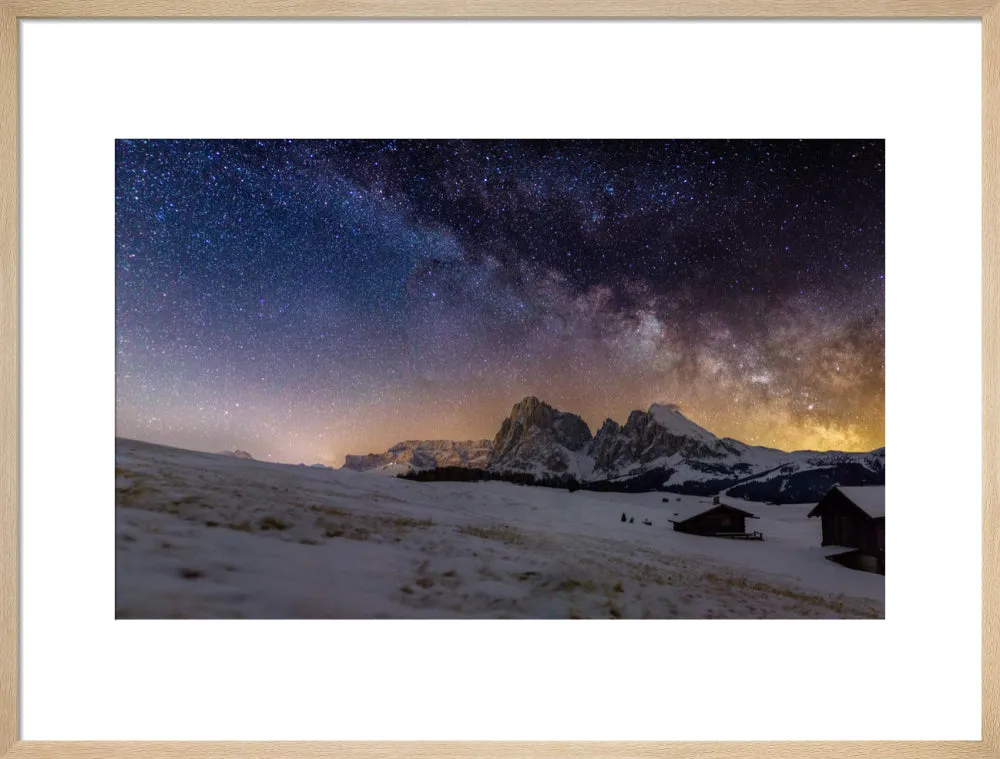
[[307, 299]]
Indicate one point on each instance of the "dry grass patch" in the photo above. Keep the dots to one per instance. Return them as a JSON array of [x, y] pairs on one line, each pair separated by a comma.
[[653, 574], [367, 526], [330, 511], [273, 523], [738, 584], [134, 494], [570, 584], [502, 533], [403, 522], [345, 530]]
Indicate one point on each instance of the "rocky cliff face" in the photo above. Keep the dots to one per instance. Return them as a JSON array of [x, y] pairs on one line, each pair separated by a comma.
[[609, 446], [661, 434], [537, 438]]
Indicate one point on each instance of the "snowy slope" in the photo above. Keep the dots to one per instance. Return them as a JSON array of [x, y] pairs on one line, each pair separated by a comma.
[[202, 535], [669, 416]]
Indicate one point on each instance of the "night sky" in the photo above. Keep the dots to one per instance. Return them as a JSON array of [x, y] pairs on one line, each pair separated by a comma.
[[305, 299]]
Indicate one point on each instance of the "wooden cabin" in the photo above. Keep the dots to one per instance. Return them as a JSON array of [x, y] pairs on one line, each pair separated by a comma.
[[854, 517], [715, 520]]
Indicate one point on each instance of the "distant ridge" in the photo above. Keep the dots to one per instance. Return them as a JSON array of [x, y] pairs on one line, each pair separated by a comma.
[[656, 449], [238, 454]]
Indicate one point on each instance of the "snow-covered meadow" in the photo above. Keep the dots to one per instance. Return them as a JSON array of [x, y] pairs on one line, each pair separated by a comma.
[[202, 535]]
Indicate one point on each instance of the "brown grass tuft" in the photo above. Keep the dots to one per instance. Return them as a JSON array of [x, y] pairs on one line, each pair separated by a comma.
[[273, 523], [506, 535]]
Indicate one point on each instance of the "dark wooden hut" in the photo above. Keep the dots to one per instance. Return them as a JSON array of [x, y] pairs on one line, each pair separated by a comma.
[[854, 517], [717, 520]]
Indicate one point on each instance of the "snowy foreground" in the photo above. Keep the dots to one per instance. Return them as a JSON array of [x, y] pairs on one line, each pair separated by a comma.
[[207, 536]]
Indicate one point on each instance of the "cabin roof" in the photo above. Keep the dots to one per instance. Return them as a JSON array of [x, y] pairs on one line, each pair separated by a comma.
[[869, 498], [682, 512]]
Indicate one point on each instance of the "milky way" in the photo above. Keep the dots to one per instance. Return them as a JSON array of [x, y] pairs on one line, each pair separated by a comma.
[[306, 299]]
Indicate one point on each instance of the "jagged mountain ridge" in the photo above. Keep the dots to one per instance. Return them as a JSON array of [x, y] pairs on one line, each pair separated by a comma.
[[657, 449], [538, 439], [424, 454], [661, 433]]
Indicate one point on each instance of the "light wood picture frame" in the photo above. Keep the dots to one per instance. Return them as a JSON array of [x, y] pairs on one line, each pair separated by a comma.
[[13, 11]]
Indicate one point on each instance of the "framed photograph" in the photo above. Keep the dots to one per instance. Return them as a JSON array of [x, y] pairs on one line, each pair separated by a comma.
[[530, 381]]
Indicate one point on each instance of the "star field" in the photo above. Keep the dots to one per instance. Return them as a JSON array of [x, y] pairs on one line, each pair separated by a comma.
[[306, 299]]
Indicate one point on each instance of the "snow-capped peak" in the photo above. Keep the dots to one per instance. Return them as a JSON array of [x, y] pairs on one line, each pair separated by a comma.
[[669, 415]]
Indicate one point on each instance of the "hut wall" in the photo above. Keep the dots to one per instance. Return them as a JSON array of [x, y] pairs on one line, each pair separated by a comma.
[[713, 524], [841, 529], [854, 531], [844, 524]]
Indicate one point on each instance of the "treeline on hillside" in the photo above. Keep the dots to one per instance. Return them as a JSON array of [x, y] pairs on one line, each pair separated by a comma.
[[809, 486], [466, 474], [640, 483], [800, 487], [652, 482]]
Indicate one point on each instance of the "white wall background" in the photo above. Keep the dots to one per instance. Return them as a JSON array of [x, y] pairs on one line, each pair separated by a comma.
[[914, 675]]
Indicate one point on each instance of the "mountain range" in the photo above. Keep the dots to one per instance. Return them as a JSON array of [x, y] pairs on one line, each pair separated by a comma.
[[417, 455], [658, 449], [238, 454]]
